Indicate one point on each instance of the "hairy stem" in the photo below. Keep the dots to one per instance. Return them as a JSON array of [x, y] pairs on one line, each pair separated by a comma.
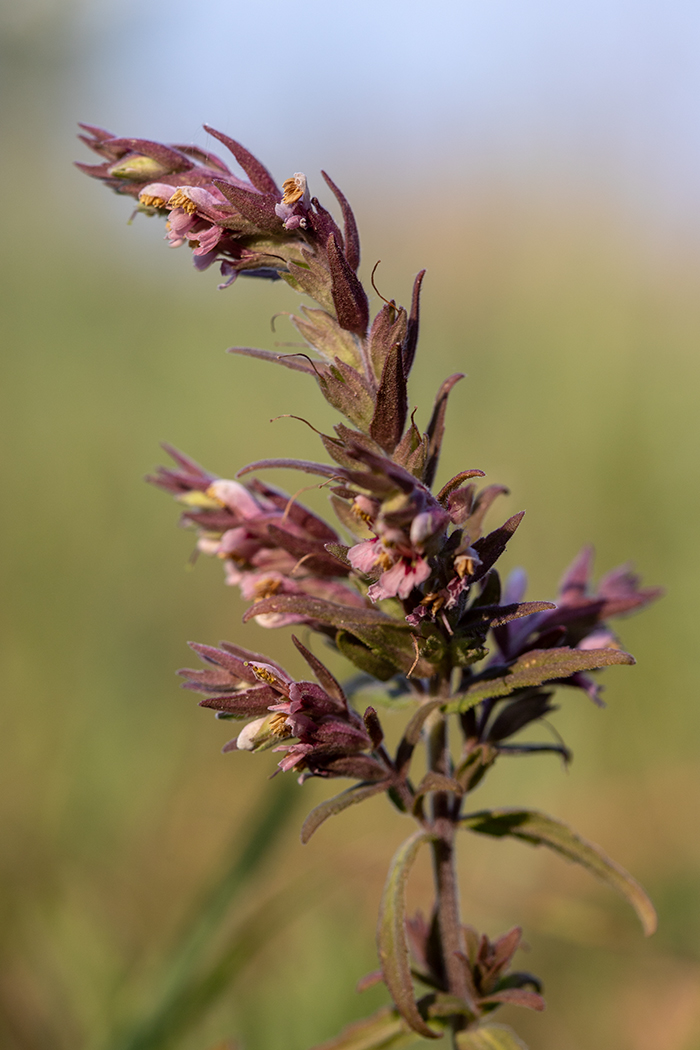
[[444, 864]]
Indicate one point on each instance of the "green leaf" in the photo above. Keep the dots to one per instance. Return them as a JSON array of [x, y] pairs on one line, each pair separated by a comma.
[[356, 793], [535, 667], [384, 1030], [541, 830], [324, 334], [391, 935], [493, 1037], [365, 658], [412, 733]]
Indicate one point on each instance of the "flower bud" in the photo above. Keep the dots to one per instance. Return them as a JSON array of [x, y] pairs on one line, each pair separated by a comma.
[[138, 168]]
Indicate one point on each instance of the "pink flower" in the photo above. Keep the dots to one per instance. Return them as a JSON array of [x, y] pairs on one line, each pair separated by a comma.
[[399, 581]]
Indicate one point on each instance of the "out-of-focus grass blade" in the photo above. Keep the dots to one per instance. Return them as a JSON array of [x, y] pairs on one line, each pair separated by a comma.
[[188, 986]]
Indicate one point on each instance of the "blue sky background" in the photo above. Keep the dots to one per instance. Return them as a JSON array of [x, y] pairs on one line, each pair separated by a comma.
[[604, 93]]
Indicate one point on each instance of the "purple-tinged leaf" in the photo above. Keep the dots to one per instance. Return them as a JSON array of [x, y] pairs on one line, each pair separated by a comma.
[[384, 1030], [472, 524], [209, 160], [492, 1037], [491, 547], [412, 734], [516, 997], [226, 660], [352, 237], [322, 332], [324, 676], [171, 159], [317, 560], [297, 362], [411, 340], [373, 726], [257, 173], [349, 297], [247, 703], [339, 551], [347, 390], [322, 611], [324, 470], [391, 406], [311, 278], [323, 225], [539, 829], [436, 426], [534, 668], [391, 935], [519, 713], [411, 451], [257, 208], [329, 808], [388, 329], [497, 615], [455, 482], [296, 512]]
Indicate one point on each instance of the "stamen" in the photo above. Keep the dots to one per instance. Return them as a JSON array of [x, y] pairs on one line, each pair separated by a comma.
[[181, 200], [278, 725], [266, 588], [149, 201], [361, 514], [263, 673], [294, 188]]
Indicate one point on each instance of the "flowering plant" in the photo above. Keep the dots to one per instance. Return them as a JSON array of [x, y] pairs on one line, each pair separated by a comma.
[[407, 591]]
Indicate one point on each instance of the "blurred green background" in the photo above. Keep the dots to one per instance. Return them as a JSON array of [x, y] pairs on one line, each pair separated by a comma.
[[563, 284]]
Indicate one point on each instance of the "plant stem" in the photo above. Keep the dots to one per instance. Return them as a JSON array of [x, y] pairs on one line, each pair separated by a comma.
[[444, 867]]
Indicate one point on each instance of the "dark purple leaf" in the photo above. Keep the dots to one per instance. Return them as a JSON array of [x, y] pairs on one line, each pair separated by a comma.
[[411, 340], [297, 362], [349, 297], [256, 172], [352, 237], [391, 406], [436, 426]]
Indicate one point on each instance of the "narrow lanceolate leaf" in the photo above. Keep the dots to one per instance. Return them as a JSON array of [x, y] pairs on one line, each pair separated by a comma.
[[323, 611], [541, 830], [329, 808], [493, 1037], [349, 297], [324, 470], [436, 426], [256, 172], [391, 935], [536, 667], [411, 340], [412, 733], [352, 237], [385, 1030], [297, 362], [391, 406]]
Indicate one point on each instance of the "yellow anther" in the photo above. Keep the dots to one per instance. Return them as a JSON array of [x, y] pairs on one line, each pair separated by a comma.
[[294, 188], [149, 201], [266, 588], [464, 565], [384, 561], [278, 724], [181, 200], [361, 514], [263, 673]]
